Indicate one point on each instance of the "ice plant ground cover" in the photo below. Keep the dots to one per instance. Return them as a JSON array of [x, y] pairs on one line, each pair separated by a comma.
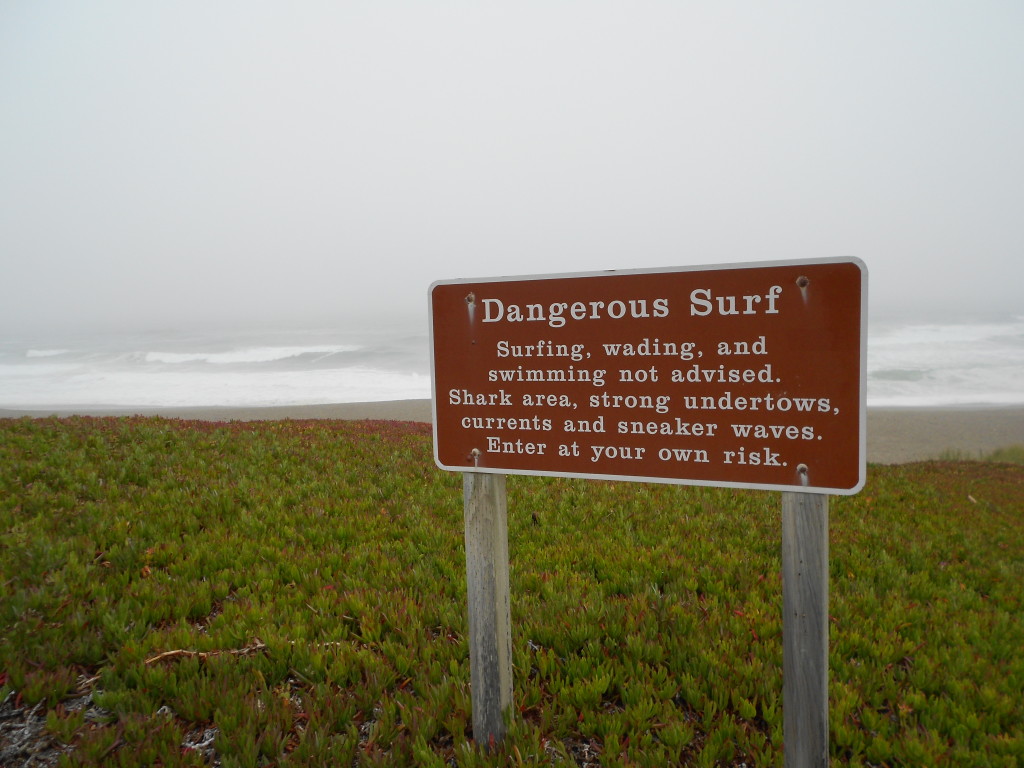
[[293, 593]]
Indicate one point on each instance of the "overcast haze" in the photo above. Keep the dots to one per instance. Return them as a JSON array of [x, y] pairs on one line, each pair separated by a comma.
[[190, 163]]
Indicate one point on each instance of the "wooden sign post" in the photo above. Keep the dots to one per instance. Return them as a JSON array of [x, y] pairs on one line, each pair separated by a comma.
[[490, 623], [744, 376], [805, 629]]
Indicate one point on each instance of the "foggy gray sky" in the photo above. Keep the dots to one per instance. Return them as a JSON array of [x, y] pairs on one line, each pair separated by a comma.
[[190, 163]]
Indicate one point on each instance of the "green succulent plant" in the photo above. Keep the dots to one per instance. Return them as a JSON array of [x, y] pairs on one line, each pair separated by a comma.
[[293, 593]]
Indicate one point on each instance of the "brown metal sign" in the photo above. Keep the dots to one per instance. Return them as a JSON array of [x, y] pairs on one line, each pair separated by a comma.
[[745, 375]]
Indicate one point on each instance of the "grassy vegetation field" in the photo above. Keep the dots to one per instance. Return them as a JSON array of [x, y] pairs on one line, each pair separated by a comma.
[[293, 593]]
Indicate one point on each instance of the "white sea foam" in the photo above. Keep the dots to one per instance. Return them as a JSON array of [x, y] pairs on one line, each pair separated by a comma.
[[197, 370], [46, 352], [172, 389], [955, 364], [248, 355], [908, 365]]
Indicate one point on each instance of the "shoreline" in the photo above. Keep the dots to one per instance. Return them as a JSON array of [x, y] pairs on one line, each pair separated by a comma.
[[895, 435]]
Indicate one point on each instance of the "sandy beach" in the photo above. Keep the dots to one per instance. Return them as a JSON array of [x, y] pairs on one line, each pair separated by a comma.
[[895, 435]]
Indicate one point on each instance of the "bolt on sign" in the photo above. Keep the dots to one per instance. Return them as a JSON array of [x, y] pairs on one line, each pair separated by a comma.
[[743, 375]]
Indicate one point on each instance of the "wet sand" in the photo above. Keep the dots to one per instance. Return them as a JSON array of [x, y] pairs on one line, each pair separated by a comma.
[[895, 435]]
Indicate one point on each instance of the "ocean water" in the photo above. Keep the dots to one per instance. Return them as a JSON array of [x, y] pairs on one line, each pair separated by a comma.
[[956, 364], [935, 364], [230, 369]]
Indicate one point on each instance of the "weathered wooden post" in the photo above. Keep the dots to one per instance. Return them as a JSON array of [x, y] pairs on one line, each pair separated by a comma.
[[805, 629], [487, 586]]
